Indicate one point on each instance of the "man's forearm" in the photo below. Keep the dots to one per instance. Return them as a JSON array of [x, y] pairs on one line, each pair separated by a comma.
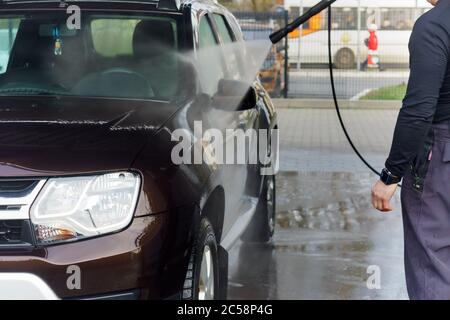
[[410, 134]]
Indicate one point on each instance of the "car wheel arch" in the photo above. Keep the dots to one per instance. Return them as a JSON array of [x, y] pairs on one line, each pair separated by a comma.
[[214, 210]]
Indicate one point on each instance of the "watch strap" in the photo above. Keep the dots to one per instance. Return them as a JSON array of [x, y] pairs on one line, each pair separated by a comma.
[[388, 178]]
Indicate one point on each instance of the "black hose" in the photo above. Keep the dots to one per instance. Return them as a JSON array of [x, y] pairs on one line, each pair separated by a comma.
[[336, 104]]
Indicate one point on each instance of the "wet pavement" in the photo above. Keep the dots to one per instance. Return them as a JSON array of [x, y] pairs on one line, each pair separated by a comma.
[[327, 237]]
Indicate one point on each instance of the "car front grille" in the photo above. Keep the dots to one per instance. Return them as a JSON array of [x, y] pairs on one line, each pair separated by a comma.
[[16, 188], [16, 198], [15, 233]]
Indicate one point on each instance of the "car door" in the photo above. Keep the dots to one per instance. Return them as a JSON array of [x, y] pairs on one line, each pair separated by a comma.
[[214, 42], [248, 119], [245, 177], [210, 67]]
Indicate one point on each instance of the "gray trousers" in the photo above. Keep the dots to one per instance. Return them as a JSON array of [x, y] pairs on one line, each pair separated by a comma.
[[426, 219]]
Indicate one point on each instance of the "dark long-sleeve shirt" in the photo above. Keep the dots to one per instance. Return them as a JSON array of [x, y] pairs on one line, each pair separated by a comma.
[[428, 95]]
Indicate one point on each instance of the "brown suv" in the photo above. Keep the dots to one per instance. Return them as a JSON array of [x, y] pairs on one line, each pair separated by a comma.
[[92, 204]]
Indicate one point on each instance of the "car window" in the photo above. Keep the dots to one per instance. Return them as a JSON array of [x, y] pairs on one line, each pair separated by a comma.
[[231, 51], [210, 66], [8, 32], [236, 28], [114, 37], [150, 44], [222, 27], [111, 55], [206, 34]]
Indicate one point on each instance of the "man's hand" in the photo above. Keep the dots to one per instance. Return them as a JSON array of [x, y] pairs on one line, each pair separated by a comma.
[[382, 195]]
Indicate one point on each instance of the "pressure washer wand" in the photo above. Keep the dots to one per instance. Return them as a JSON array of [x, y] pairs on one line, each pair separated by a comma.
[[280, 34]]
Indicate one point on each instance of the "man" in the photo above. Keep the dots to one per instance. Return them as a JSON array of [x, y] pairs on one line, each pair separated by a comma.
[[420, 154]]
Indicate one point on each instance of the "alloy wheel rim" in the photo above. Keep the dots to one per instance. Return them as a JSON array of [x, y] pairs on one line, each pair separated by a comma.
[[206, 282]]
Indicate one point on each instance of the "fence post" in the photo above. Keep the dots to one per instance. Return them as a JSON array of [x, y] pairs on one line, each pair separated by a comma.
[[358, 38], [299, 50], [286, 57]]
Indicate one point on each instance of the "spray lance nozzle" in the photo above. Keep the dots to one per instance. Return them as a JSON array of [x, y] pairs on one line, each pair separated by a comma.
[[280, 34]]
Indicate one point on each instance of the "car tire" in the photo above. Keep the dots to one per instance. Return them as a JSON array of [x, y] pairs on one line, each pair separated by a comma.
[[345, 59], [262, 227], [202, 277]]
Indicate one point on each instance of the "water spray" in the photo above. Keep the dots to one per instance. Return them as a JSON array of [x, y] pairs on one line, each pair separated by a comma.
[[280, 34]]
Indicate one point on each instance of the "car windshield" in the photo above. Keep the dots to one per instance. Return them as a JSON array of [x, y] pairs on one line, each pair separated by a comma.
[[119, 56]]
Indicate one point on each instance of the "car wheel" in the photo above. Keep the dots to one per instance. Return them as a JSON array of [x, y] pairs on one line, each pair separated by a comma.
[[262, 226], [202, 277], [345, 59]]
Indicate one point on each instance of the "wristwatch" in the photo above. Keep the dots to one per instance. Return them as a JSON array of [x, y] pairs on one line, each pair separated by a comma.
[[388, 178]]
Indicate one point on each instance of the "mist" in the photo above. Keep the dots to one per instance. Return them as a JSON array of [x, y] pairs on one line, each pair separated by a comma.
[[242, 59], [224, 73]]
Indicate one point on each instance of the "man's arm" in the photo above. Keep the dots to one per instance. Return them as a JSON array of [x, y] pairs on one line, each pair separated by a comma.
[[429, 51]]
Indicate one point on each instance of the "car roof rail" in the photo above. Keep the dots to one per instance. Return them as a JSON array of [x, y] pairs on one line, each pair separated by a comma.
[[173, 5]]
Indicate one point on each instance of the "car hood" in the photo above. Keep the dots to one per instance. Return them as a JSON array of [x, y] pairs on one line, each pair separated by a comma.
[[43, 136]]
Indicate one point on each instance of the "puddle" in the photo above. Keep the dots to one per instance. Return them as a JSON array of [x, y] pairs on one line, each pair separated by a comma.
[[326, 238], [324, 201]]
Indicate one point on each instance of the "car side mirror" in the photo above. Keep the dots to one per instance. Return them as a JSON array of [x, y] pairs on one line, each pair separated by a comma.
[[234, 95]]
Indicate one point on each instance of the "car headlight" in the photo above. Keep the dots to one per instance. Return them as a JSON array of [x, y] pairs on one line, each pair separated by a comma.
[[71, 208]]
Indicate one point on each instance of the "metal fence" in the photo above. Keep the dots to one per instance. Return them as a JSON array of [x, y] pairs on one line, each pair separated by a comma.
[[357, 76], [275, 70]]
